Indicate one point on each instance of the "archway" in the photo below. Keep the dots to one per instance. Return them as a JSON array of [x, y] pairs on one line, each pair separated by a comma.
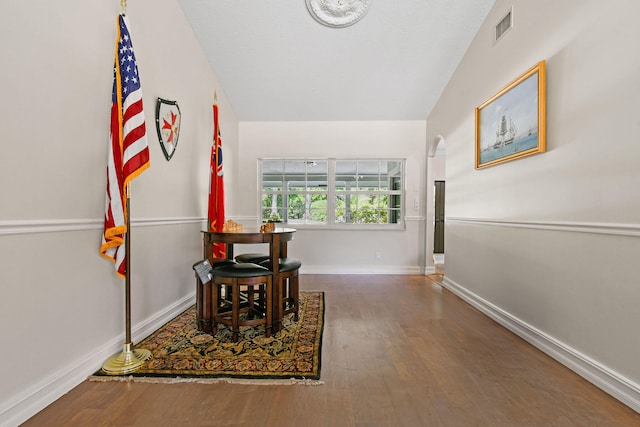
[[436, 156]]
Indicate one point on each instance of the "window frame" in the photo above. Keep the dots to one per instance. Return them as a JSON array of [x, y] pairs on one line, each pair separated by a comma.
[[332, 193]]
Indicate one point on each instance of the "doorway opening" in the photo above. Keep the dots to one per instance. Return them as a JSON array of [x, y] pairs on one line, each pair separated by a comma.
[[435, 212], [438, 227]]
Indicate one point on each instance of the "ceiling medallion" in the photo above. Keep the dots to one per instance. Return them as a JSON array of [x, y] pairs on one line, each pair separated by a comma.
[[337, 13]]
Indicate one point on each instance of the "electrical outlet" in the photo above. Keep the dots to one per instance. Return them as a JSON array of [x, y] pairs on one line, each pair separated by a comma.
[[377, 255]]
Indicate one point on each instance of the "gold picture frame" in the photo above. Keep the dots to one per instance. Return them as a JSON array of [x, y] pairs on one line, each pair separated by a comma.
[[512, 123]]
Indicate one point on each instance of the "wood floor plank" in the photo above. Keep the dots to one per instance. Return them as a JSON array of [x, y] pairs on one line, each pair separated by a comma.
[[397, 351]]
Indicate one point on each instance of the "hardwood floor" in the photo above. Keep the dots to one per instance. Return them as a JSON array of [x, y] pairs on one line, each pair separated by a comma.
[[397, 351]]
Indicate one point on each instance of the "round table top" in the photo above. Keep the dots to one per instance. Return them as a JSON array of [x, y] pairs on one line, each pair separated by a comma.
[[254, 230], [250, 235]]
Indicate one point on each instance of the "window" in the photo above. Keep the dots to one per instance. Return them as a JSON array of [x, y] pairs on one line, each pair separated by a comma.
[[332, 192]]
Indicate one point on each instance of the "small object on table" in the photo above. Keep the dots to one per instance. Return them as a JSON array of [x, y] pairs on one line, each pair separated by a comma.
[[269, 227], [231, 226]]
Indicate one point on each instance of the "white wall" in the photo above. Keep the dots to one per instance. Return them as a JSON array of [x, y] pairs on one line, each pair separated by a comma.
[[61, 305], [343, 251], [548, 244]]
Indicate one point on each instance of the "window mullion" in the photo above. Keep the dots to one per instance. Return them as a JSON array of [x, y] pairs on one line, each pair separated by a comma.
[[331, 192]]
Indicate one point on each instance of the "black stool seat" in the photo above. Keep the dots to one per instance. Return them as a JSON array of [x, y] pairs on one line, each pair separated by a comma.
[[252, 257], [218, 262], [242, 269], [289, 264], [286, 264]]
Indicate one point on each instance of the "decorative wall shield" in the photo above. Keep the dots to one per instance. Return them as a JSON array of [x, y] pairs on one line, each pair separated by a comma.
[[168, 126]]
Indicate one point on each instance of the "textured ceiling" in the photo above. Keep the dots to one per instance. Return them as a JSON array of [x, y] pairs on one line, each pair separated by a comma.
[[276, 63]]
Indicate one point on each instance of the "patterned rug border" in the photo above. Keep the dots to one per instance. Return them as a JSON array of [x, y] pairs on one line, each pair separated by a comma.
[[218, 380], [254, 378]]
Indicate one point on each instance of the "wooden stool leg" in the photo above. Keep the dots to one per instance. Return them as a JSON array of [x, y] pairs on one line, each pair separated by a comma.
[[235, 311], [205, 310], [286, 291], [250, 300], [214, 305], [293, 293], [199, 304], [261, 298], [268, 307]]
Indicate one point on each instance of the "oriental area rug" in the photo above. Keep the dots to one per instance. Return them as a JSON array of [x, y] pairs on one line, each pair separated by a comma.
[[181, 353]]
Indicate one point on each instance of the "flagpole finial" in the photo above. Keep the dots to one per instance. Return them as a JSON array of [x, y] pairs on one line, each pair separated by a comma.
[[123, 5], [215, 97]]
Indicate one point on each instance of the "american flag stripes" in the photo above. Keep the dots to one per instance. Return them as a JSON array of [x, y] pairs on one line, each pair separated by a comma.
[[128, 153]]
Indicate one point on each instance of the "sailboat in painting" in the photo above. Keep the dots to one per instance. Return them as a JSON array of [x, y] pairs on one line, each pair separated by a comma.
[[506, 132]]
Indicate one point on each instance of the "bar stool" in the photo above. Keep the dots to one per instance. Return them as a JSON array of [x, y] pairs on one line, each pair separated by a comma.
[[203, 290], [289, 285], [240, 281]]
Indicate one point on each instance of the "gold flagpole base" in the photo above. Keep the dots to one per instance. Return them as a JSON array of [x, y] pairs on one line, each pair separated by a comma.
[[127, 361]]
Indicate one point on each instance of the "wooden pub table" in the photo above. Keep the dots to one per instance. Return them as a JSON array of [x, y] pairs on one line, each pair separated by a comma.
[[277, 241]]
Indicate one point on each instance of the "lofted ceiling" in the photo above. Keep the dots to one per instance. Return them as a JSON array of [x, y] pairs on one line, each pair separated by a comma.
[[277, 63]]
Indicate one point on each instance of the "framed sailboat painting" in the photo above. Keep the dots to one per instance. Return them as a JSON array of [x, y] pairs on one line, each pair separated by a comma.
[[512, 123]]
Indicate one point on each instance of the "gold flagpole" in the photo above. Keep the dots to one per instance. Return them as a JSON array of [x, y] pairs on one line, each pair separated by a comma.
[[130, 359]]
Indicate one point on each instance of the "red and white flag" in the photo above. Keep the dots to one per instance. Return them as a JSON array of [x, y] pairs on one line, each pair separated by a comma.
[[128, 153], [215, 211]]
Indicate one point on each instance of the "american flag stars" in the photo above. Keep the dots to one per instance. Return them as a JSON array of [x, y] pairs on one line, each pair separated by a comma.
[[128, 65]]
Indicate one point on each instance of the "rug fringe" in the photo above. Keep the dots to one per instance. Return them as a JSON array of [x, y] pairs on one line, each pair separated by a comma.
[[245, 381]]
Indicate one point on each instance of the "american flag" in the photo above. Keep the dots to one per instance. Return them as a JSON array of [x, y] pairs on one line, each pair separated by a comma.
[[128, 153]]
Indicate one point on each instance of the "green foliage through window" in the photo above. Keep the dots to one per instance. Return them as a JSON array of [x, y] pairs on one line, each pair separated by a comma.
[[330, 191]]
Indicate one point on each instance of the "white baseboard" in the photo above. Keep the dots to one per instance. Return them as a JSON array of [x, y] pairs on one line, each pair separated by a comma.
[[369, 269], [36, 398], [621, 388]]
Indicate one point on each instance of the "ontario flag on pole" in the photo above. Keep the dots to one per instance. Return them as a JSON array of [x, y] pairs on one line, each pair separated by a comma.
[[128, 153], [215, 212]]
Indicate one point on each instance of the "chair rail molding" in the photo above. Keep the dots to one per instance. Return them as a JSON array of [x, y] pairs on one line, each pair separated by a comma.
[[623, 229], [59, 225]]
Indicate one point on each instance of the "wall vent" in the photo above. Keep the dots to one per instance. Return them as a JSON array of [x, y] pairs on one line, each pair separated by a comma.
[[504, 25]]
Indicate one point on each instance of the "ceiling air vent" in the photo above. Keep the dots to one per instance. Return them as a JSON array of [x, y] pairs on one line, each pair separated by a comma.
[[504, 25]]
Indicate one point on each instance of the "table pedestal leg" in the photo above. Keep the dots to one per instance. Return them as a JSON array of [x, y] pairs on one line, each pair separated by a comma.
[[277, 283]]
